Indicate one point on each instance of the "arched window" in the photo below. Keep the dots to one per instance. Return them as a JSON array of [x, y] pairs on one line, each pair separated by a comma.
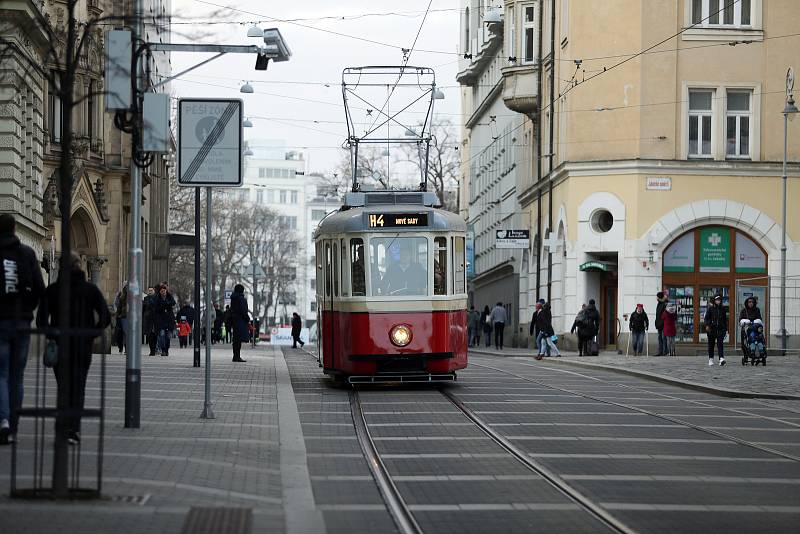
[[713, 260]]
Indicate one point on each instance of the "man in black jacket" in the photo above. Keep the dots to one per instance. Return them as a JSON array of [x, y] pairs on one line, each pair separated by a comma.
[[662, 339], [716, 324], [21, 287]]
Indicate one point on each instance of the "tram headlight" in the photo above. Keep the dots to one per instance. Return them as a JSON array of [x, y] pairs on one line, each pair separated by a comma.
[[400, 335]]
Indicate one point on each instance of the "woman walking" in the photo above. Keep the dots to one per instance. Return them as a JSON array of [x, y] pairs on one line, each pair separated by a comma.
[[164, 317], [639, 324], [240, 321], [670, 321]]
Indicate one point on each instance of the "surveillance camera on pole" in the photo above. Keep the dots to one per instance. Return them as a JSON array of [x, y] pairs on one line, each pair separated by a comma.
[[276, 49]]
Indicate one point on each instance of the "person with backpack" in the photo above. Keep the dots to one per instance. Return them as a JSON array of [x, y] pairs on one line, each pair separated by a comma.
[[486, 323], [87, 312], [585, 329], [639, 324], [669, 319], [21, 288], [716, 325], [660, 308], [593, 321]]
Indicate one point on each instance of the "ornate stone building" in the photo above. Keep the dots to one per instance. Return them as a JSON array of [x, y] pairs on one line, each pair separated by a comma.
[[30, 146]]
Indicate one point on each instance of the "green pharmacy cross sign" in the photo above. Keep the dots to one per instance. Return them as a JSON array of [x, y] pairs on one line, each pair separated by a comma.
[[715, 250]]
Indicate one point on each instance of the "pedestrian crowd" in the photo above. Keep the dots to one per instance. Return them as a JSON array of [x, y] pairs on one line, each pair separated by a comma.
[[70, 340], [489, 324]]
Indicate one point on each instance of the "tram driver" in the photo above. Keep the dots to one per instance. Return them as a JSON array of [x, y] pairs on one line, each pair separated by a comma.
[[405, 275]]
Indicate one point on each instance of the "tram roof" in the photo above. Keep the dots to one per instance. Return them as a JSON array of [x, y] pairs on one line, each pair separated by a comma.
[[355, 219]]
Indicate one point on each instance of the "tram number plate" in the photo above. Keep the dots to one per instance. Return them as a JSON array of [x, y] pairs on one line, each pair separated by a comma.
[[397, 220]]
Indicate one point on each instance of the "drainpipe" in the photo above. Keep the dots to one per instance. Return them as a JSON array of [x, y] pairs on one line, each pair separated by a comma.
[[551, 153], [538, 125]]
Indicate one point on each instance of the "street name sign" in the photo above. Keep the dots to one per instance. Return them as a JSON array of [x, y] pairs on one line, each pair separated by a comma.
[[210, 142]]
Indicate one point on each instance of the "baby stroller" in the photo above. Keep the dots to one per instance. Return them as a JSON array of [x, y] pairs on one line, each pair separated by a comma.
[[754, 345]]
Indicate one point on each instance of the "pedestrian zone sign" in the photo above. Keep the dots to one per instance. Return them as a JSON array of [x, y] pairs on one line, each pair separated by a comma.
[[210, 142]]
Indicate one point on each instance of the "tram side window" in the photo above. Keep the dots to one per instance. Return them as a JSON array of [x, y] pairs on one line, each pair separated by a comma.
[[328, 273], [440, 266], [458, 266], [357, 276], [335, 271], [399, 266], [318, 262]]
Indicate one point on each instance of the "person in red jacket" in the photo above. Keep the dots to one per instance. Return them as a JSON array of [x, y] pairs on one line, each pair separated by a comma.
[[184, 329], [669, 318]]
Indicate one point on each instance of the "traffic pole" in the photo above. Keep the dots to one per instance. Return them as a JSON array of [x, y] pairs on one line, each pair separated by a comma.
[[208, 412], [197, 322]]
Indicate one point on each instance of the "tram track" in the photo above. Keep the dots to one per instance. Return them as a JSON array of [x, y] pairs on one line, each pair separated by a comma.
[[651, 413], [400, 510]]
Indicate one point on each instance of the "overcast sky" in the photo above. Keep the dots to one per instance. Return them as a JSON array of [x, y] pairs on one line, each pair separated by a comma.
[[291, 95]]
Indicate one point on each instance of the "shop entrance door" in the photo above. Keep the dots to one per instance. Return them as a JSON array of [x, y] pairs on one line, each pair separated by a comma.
[[608, 309]]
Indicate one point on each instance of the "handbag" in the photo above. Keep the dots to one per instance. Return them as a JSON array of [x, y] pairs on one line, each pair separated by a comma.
[[50, 356]]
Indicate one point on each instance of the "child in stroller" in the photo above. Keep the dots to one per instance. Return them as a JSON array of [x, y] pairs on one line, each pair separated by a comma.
[[754, 345]]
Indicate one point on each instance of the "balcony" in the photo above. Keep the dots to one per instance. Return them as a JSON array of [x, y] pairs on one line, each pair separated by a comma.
[[520, 91]]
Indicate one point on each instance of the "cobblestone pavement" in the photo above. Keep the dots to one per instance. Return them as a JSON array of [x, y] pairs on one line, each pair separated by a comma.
[[175, 460], [781, 376]]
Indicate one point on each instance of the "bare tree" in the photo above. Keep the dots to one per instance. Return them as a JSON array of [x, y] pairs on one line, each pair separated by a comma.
[[444, 162]]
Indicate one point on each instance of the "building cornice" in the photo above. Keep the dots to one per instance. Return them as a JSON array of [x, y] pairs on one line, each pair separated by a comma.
[[656, 167]]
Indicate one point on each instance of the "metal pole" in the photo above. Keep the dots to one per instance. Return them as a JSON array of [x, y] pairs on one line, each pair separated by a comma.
[[208, 412], [197, 307], [784, 179], [133, 356]]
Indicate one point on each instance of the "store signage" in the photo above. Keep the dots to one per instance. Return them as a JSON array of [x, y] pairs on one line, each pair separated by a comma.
[[658, 183], [749, 258], [715, 250], [679, 256], [396, 220], [283, 336], [512, 239]]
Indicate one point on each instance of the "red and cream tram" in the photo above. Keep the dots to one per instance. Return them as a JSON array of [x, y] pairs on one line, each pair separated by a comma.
[[391, 289]]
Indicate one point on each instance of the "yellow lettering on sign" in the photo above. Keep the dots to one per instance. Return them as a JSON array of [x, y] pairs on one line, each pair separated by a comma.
[[375, 220], [412, 220]]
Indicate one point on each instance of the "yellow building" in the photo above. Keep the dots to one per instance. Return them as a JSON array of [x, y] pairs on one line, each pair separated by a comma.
[[659, 165]]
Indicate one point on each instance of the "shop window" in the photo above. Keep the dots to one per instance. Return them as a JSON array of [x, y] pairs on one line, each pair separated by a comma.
[[683, 298], [679, 256]]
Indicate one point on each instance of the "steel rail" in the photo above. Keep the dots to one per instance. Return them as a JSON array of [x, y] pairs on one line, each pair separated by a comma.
[[669, 418], [597, 511], [395, 503]]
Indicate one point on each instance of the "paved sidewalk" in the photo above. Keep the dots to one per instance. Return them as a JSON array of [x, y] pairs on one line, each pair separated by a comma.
[[779, 379], [176, 460]]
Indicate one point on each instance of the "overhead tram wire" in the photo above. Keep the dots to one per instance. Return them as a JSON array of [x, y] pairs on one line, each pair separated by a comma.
[[332, 32], [406, 59]]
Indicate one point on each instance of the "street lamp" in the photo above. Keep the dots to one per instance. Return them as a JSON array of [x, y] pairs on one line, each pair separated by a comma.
[[789, 110], [246, 88]]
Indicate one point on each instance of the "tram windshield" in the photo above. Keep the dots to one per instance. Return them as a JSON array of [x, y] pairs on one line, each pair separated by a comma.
[[399, 266]]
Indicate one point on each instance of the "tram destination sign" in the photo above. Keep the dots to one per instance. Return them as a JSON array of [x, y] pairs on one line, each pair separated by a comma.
[[396, 220], [210, 142]]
